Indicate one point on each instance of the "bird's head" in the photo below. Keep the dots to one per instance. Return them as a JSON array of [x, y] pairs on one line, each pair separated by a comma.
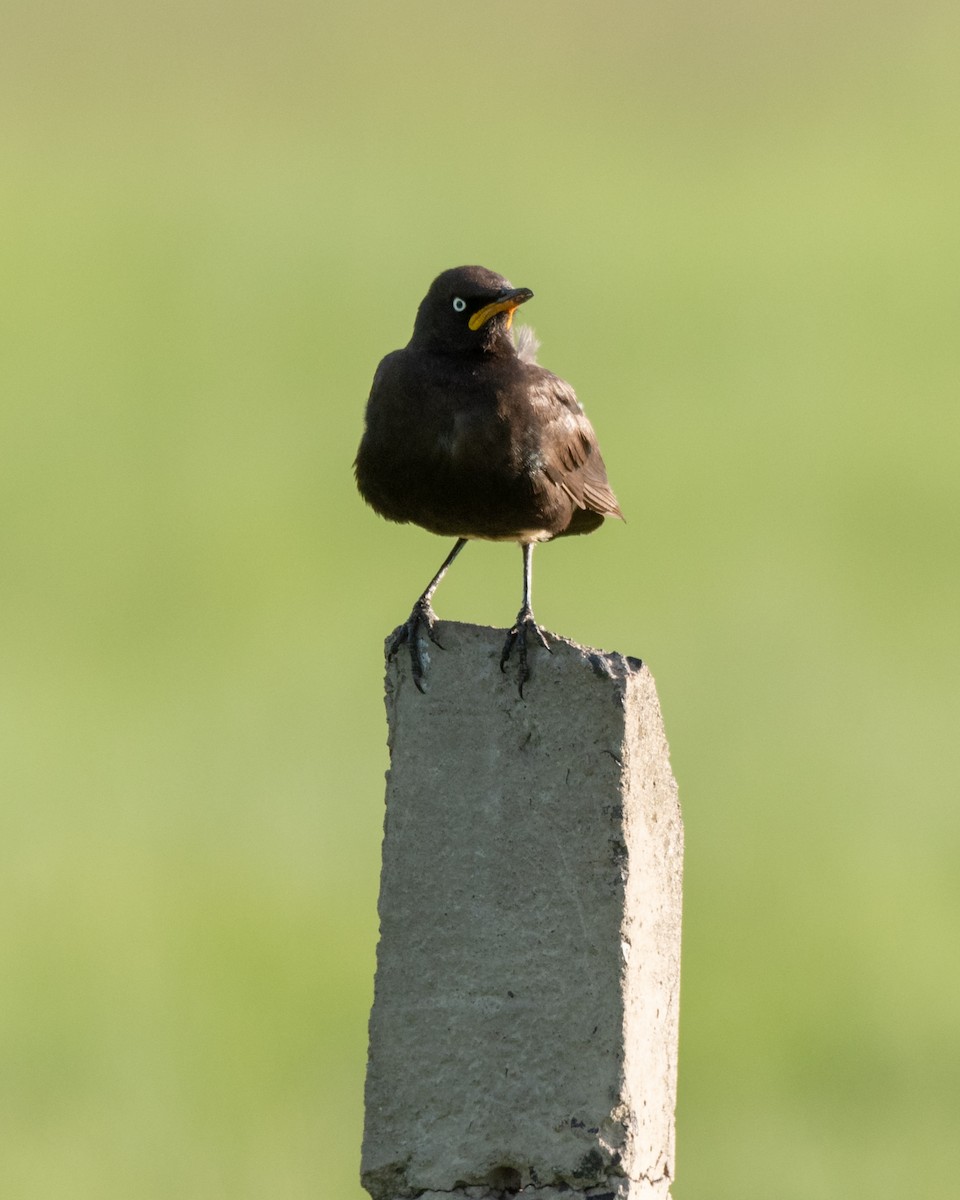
[[468, 309]]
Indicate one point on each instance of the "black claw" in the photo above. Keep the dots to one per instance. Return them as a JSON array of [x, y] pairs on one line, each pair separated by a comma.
[[411, 631], [517, 636], [601, 665]]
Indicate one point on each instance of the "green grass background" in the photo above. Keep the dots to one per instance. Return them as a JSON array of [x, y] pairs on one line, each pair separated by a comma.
[[741, 224]]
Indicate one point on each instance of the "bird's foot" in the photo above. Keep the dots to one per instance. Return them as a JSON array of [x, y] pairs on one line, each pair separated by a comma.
[[421, 621], [525, 627]]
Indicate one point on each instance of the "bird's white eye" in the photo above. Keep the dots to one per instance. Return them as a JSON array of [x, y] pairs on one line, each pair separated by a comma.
[[458, 304]]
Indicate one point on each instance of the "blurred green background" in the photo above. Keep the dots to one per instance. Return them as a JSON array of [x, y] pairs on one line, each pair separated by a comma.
[[741, 225]]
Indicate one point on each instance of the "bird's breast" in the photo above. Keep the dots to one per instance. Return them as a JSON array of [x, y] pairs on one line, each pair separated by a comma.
[[459, 451]]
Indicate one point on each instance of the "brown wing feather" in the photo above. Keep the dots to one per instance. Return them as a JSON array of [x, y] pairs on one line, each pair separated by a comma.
[[571, 455]]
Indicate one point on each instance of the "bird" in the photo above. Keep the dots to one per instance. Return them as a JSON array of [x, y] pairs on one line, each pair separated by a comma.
[[466, 435]]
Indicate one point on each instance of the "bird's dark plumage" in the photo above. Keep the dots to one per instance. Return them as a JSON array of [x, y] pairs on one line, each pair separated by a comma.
[[469, 438]]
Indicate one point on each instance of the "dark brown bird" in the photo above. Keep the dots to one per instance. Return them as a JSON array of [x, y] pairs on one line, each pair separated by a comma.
[[467, 436]]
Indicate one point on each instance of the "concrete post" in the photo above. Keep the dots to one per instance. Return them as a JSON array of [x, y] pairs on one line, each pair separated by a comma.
[[523, 1036]]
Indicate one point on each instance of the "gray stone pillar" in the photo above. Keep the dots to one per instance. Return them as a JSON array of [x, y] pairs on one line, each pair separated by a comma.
[[524, 1027]]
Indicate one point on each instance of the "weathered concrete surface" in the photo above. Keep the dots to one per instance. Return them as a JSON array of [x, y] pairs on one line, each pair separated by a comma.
[[524, 1026]]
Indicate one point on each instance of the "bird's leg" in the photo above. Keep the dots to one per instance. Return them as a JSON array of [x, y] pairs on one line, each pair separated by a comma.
[[422, 618], [525, 623]]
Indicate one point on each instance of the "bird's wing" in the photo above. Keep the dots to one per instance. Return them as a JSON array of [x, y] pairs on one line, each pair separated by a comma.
[[570, 453]]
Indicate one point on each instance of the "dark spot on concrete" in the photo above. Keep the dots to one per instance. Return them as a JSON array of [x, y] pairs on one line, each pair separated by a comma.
[[590, 1168], [504, 1179]]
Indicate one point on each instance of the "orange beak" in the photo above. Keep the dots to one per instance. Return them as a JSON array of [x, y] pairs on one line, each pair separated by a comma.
[[507, 302]]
